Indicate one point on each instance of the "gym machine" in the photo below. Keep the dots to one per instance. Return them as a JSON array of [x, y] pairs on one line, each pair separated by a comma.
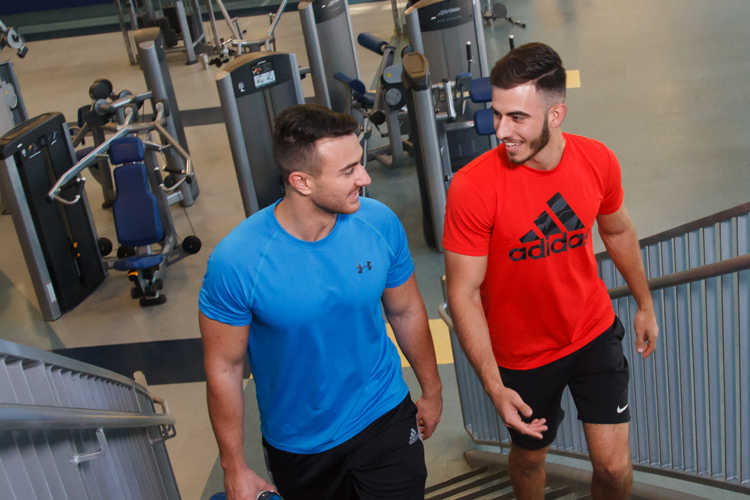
[[101, 116], [236, 45], [141, 209], [253, 89], [40, 181], [175, 22], [499, 11], [385, 104], [12, 108], [329, 39], [450, 35], [59, 241], [445, 41], [10, 37]]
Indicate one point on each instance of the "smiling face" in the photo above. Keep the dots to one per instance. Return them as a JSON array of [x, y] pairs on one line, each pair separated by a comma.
[[335, 189], [521, 121]]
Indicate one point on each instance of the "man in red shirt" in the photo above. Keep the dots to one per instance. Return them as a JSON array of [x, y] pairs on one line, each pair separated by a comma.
[[523, 283]]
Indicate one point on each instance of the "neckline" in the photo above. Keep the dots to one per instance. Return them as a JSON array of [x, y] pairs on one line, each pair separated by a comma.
[[560, 165], [276, 225]]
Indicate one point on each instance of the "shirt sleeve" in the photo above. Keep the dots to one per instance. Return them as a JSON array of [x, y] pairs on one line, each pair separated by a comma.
[[613, 194], [225, 295], [468, 221], [402, 265]]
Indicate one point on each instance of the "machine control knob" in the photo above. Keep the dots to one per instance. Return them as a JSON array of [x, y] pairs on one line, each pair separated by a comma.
[[393, 97]]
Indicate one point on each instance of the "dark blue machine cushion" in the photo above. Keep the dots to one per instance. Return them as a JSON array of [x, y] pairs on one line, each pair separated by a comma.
[[484, 122], [139, 262], [126, 150], [353, 83], [135, 209], [481, 90]]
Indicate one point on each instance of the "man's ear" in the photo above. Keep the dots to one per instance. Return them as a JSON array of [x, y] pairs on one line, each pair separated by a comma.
[[556, 115], [300, 182]]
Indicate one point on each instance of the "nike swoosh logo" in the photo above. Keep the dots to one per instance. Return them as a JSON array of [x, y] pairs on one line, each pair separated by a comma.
[[620, 410]]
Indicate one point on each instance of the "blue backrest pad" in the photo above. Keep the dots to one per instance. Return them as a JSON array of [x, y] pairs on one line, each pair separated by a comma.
[[484, 122], [126, 150], [135, 209], [481, 90]]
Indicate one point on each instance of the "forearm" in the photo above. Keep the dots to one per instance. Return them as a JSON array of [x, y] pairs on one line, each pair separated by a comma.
[[470, 325], [226, 409], [412, 333], [625, 252]]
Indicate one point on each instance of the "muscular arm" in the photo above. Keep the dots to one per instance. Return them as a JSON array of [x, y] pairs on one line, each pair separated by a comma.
[[406, 314], [621, 240], [224, 351], [464, 275]]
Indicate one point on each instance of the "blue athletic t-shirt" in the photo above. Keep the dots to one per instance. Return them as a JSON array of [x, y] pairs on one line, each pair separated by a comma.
[[323, 365]]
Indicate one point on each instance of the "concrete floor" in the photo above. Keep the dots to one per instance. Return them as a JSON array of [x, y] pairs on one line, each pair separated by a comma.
[[663, 84]]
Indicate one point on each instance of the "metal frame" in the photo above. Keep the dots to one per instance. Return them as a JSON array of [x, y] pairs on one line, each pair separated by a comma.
[[72, 430]]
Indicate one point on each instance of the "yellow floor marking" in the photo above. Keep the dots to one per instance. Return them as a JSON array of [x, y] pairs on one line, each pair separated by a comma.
[[441, 339], [573, 79]]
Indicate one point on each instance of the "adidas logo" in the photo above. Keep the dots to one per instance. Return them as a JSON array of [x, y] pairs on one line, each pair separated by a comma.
[[556, 219], [414, 437]]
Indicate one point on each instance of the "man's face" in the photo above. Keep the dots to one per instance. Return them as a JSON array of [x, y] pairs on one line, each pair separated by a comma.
[[335, 189], [520, 121]]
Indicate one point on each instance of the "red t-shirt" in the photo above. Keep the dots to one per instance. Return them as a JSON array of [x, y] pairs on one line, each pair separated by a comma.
[[542, 295]]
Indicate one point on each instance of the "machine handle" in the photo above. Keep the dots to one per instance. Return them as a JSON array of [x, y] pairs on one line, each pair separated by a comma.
[[81, 181], [443, 313], [373, 43]]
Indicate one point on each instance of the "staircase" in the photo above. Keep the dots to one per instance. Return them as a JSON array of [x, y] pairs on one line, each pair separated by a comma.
[[493, 483]]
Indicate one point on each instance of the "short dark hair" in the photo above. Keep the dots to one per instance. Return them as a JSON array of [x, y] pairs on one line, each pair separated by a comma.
[[298, 128], [535, 63]]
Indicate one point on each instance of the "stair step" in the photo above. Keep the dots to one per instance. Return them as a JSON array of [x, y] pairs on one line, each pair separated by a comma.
[[493, 484], [481, 481], [456, 480]]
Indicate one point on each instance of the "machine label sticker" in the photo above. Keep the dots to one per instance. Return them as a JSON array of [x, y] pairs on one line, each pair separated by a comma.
[[263, 74]]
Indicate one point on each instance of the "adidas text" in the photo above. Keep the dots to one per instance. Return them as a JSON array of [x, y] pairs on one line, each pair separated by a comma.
[[544, 248]]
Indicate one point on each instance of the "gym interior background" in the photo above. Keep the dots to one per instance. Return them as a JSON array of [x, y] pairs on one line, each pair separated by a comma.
[[666, 85]]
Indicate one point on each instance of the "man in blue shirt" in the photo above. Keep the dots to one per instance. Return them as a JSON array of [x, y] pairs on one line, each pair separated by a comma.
[[298, 287]]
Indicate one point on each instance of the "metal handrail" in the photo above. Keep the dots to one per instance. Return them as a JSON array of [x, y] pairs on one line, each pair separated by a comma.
[[688, 227], [707, 271], [733, 265], [17, 417]]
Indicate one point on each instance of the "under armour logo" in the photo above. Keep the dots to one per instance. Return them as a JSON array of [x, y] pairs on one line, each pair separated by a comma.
[[366, 266]]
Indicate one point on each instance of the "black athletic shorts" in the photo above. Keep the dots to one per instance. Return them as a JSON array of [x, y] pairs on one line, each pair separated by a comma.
[[597, 375], [384, 461]]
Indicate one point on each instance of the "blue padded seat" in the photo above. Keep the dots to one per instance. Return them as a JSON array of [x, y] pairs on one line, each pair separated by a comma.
[[126, 150], [135, 209], [139, 262], [481, 90], [484, 122]]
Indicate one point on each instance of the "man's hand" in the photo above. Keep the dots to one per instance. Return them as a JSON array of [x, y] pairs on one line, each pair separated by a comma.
[[509, 404], [244, 484], [429, 410], [646, 332]]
